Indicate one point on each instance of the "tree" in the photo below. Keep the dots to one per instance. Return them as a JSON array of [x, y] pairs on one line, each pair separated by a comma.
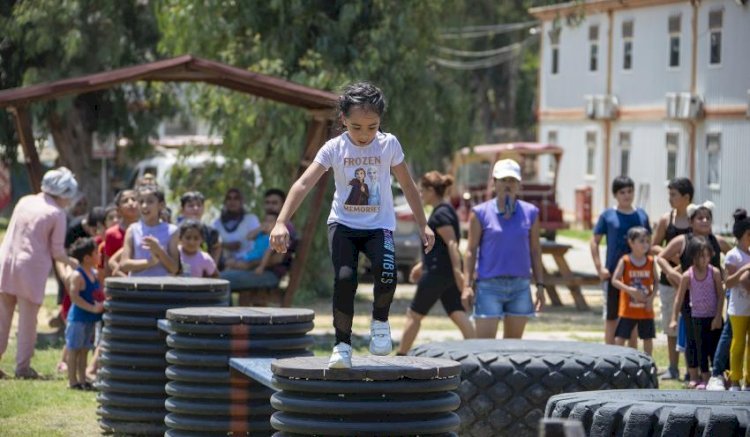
[[46, 40]]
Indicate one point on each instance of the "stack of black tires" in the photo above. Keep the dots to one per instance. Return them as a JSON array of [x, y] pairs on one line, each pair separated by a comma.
[[131, 381], [206, 397]]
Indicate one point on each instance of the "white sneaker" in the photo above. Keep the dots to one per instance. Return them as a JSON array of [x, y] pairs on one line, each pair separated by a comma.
[[716, 383], [341, 358], [380, 338], [735, 388]]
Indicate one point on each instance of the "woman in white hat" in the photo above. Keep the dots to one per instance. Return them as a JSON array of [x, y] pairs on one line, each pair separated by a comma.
[[35, 237], [497, 280]]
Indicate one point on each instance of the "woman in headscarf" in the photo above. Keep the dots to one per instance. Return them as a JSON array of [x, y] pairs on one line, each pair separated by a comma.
[[234, 224], [35, 237]]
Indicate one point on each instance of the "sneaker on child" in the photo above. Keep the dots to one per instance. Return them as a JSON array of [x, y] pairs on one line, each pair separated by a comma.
[[734, 388], [380, 338], [341, 358], [716, 383]]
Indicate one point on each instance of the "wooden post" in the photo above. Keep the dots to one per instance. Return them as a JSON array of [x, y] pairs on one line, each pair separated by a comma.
[[318, 131], [26, 136]]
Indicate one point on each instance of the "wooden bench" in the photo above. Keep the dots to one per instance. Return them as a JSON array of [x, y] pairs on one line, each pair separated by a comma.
[[262, 296], [565, 276]]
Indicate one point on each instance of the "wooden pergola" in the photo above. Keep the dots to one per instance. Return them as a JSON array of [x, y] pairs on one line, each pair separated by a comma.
[[187, 68]]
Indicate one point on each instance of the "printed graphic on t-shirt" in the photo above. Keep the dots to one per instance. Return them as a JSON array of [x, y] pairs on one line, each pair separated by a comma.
[[364, 186], [636, 280]]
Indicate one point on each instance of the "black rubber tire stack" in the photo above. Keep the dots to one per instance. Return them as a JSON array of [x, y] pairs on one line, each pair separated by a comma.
[[505, 384], [131, 381], [678, 413], [206, 396], [378, 396]]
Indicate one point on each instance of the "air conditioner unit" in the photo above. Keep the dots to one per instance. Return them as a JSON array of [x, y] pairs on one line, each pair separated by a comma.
[[671, 99], [589, 107], [606, 106], [689, 106]]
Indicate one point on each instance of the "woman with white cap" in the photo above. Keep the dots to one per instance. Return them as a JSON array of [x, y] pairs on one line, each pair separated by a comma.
[[35, 237], [505, 232]]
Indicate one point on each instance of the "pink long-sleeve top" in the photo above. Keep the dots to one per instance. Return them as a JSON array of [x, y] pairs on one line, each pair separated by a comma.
[[35, 234]]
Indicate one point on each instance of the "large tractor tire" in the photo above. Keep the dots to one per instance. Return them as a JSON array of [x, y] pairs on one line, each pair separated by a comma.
[[505, 384], [657, 413]]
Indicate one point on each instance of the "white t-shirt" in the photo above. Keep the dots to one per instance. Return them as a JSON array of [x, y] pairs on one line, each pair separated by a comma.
[[739, 298], [249, 222], [363, 197]]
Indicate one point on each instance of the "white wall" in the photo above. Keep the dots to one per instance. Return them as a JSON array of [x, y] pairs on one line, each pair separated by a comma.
[[650, 76], [734, 189], [572, 172], [727, 83], [573, 80]]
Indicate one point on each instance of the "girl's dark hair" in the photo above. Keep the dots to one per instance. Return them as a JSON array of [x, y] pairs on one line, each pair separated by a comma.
[[362, 95], [153, 189], [192, 196], [698, 244], [621, 182], [682, 186], [637, 232], [108, 209], [437, 181], [741, 223], [693, 211], [188, 224], [82, 247], [275, 192]]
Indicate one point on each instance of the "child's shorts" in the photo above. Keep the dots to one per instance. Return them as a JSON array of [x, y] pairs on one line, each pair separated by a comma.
[[79, 335], [681, 334], [501, 296], [646, 328]]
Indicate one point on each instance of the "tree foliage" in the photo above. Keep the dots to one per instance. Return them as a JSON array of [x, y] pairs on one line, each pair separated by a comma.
[[46, 40]]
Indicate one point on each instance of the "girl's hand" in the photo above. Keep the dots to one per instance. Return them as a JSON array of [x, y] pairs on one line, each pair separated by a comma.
[[467, 298], [603, 274], [540, 299], [98, 307], [151, 243], [673, 324], [638, 295], [279, 238], [716, 323], [428, 238]]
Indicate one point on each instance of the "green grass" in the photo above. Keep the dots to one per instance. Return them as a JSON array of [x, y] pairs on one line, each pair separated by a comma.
[[47, 408]]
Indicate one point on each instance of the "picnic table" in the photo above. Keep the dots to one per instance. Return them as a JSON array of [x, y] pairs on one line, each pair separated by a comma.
[[565, 276]]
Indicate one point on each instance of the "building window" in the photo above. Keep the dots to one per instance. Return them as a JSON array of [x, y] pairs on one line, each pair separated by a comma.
[[672, 147], [674, 27], [715, 19], [713, 146], [590, 152], [624, 153], [554, 39], [593, 48], [627, 45]]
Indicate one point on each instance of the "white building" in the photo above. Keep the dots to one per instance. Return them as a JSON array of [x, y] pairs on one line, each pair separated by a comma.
[[653, 89]]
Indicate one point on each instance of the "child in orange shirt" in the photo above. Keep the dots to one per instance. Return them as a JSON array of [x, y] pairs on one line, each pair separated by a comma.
[[635, 278]]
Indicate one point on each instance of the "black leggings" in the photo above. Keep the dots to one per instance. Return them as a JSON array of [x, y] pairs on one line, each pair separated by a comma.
[[702, 346], [345, 244]]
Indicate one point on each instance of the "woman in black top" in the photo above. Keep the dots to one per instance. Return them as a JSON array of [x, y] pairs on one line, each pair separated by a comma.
[[672, 224], [439, 274], [701, 221]]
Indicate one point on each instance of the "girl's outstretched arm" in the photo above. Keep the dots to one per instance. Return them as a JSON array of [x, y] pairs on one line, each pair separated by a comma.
[[279, 238], [401, 171]]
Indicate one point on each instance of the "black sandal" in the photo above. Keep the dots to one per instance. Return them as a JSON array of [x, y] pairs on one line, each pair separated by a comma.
[[87, 386], [76, 387]]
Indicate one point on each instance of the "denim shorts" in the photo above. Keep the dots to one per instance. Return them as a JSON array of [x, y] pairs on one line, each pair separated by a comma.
[[501, 296], [79, 335]]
